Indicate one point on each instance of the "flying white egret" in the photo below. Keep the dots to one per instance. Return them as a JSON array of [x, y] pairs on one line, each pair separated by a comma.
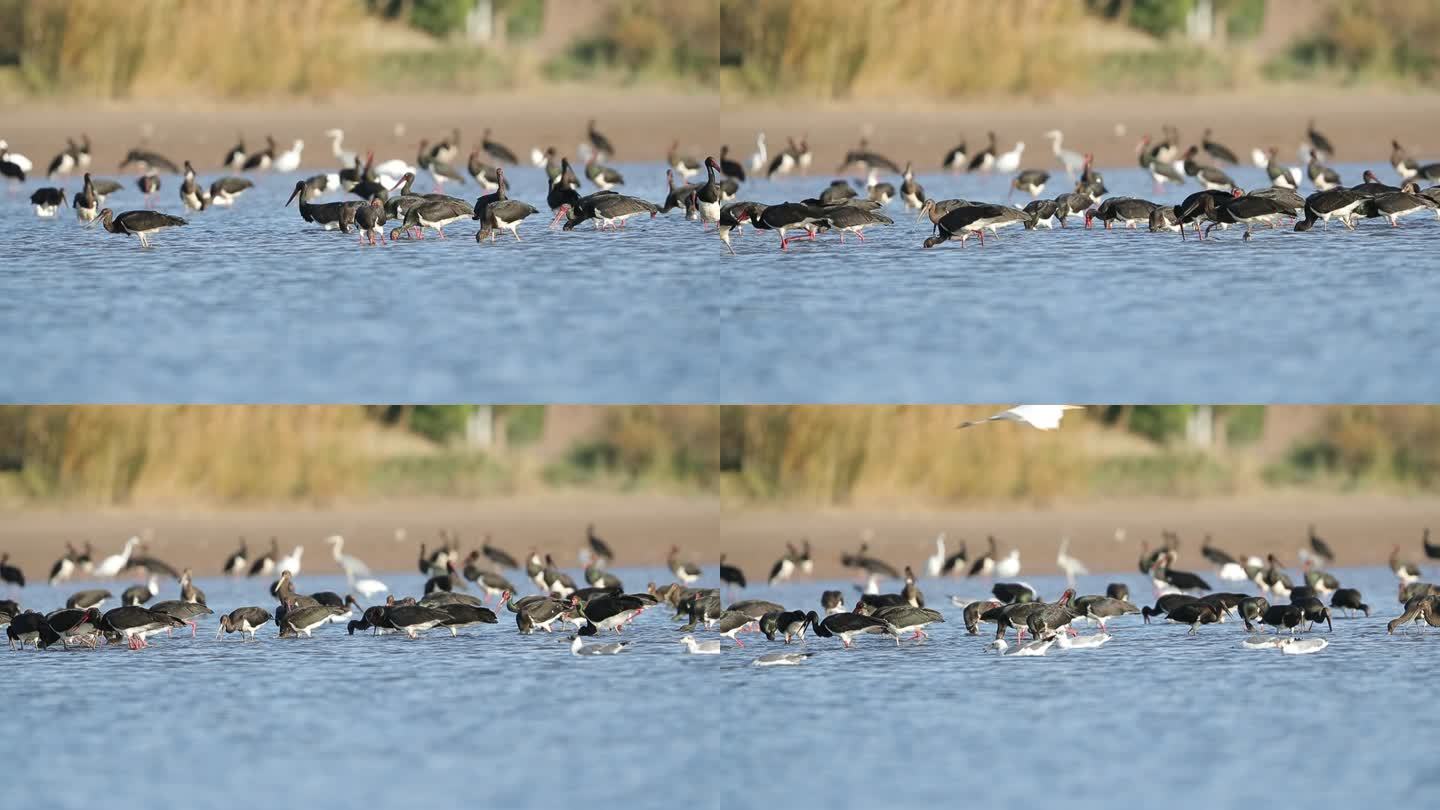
[[115, 563], [1040, 417], [1071, 566]]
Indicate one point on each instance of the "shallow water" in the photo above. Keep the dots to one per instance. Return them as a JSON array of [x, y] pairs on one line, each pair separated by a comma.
[[1154, 718], [253, 304], [488, 719], [1077, 315], [492, 718]]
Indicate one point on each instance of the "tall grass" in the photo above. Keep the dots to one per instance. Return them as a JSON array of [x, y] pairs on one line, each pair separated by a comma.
[[1365, 445], [652, 39], [160, 454], [216, 455], [902, 455], [107, 49], [944, 49], [676, 446], [893, 454], [1373, 39]]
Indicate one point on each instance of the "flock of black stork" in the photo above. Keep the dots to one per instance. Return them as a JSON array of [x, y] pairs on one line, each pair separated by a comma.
[[384, 191], [445, 604], [1291, 605]]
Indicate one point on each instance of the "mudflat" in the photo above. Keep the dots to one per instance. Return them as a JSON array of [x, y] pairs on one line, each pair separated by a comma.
[[640, 125], [1362, 529], [640, 529], [1360, 125]]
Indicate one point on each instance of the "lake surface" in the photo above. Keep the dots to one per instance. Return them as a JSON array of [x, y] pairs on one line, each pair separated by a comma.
[[488, 719], [1084, 316], [252, 304], [1154, 718]]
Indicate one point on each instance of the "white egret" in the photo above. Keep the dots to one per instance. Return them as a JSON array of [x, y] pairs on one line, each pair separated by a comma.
[[1071, 566], [291, 562], [115, 563], [1040, 417]]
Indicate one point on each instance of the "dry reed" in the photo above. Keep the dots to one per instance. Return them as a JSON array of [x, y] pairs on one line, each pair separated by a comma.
[[164, 48], [164, 454], [944, 49]]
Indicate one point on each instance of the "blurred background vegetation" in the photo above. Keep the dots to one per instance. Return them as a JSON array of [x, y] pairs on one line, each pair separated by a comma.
[[810, 454], [160, 48], [882, 48], [913, 455], [223, 455], [956, 48]]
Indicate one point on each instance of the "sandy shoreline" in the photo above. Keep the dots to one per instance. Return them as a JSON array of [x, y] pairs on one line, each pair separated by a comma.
[[643, 124], [639, 528], [640, 125], [1361, 529], [1360, 124]]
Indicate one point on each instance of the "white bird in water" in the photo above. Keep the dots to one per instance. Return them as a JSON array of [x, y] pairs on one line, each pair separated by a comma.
[[337, 148], [1303, 646], [757, 160], [290, 562], [368, 588], [289, 160], [1083, 642], [579, 647], [781, 659], [392, 171], [1009, 566], [1032, 649], [1260, 642], [936, 563], [352, 566], [115, 563], [700, 647], [1071, 566], [1073, 161], [1009, 162], [1040, 417], [872, 585]]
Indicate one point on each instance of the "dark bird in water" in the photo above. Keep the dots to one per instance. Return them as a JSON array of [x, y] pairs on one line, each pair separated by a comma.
[[599, 547], [1431, 550], [730, 575], [9, 574], [498, 555], [846, 626], [1321, 547], [1421, 607], [1350, 600]]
